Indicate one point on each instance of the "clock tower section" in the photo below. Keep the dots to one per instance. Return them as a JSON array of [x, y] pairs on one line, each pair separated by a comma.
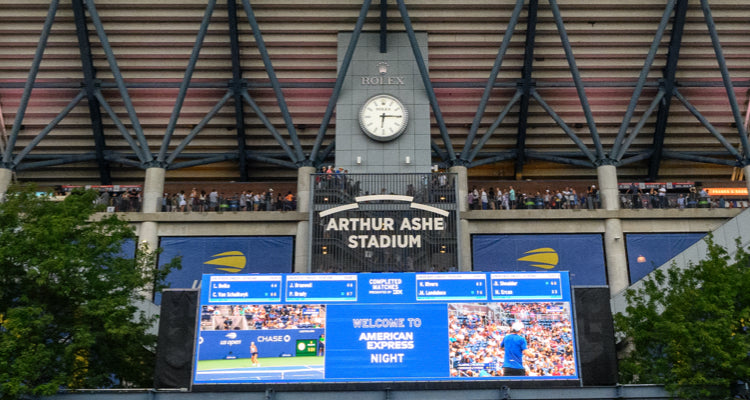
[[373, 135]]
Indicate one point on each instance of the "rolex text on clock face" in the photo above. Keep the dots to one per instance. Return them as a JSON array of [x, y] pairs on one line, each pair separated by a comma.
[[383, 117]]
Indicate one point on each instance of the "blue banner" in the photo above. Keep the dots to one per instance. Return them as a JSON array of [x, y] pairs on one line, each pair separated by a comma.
[[225, 255], [581, 255], [649, 251]]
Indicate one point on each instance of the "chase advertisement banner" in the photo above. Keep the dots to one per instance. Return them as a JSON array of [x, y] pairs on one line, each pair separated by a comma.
[[369, 327], [582, 255], [225, 255]]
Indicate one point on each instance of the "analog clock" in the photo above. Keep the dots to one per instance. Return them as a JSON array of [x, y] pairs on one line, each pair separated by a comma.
[[383, 117]]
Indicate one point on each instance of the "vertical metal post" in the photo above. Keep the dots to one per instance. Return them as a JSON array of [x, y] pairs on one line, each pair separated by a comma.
[[525, 84], [239, 105], [383, 26]]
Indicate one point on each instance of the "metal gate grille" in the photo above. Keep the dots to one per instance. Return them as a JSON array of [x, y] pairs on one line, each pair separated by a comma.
[[384, 223]]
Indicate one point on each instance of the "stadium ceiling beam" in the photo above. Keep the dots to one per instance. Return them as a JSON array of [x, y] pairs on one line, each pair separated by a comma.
[[59, 160], [525, 84], [667, 85], [698, 158], [493, 158], [7, 160], [565, 127], [491, 84], [199, 127], [494, 126], [727, 82], [115, 69], [237, 85], [383, 26], [326, 153], [424, 72], [557, 159], [269, 160], [90, 84], [346, 62], [204, 161], [707, 125], [617, 148]]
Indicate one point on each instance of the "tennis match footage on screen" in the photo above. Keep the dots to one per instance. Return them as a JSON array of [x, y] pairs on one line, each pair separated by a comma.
[[432, 327]]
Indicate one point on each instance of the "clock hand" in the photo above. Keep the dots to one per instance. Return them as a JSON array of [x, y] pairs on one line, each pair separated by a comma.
[[382, 119], [388, 115]]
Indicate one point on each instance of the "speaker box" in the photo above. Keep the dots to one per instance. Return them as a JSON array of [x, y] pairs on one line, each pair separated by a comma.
[[174, 347], [596, 336]]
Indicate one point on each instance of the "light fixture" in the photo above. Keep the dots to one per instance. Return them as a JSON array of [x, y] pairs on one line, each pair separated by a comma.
[[407, 160], [359, 160]]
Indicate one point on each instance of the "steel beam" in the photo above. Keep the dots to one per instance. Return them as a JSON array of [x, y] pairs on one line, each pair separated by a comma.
[[668, 82], [643, 76], [49, 127], [636, 158], [90, 83], [577, 80], [237, 85], [491, 84], [708, 125], [199, 127], [556, 159], [564, 127], [509, 155], [325, 153], [140, 152], [346, 62], [204, 161], [180, 100], [57, 161], [269, 160], [426, 80], [634, 133], [261, 45], [495, 124], [104, 41], [701, 159], [727, 79], [276, 135], [525, 84], [383, 26], [29, 85]]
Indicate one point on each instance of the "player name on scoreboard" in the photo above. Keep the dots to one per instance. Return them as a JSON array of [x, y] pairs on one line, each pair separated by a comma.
[[384, 288]]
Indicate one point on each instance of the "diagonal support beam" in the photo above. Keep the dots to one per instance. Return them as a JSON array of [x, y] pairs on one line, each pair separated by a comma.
[[199, 127], [565, 127], [426, 81], [643, 76], [491, 84], [90, 84], [180, 100], [495, 124], [383, 26], [727, 79], [260, 43], [641, 123], [708, 125], [577, 79], [29, 85], [139, 151], [668, 83], [346, 62], [115, 69]]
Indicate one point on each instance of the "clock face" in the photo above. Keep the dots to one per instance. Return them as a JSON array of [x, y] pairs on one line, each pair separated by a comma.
[[383, 117]]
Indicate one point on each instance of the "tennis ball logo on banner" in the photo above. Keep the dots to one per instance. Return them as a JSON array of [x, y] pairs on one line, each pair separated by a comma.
[[230, 261], [545, 258]]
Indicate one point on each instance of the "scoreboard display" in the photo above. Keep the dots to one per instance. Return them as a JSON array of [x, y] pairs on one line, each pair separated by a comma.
[[370, 327]]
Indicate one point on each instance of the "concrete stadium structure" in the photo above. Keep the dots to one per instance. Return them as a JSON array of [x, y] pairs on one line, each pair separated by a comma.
[[179, 93]]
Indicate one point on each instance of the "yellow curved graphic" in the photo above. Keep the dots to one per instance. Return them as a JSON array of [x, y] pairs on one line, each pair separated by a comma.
[[232, 261], [545, 258]]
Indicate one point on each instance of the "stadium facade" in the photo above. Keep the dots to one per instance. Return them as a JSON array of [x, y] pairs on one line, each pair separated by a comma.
[[173, 95]]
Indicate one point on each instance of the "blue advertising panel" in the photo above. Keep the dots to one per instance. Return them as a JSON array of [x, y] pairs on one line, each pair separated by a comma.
[[225, 255], [369, 327], [649, 251], [582, 255]]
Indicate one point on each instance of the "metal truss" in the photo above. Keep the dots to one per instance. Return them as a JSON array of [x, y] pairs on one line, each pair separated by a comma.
[[292, 155]]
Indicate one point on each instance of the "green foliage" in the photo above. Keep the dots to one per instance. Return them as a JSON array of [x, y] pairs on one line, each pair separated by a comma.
[[689, 329], [68, 314]]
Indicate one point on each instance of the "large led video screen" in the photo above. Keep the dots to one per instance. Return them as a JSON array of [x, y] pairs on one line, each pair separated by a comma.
[[369, 327]]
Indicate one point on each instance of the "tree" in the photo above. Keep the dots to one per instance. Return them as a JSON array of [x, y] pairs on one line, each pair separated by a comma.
[[68, 313], [688, 329]]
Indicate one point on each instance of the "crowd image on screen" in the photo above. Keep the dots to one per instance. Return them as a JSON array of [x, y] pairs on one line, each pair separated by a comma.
[[262, 316], [476, 332]]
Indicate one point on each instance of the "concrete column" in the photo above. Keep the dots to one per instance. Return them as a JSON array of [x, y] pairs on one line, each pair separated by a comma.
[[153, 189], [464, 237], [462, 184], [5, 178], [302, 242], [148, 235], [614, 242], [608, 190]]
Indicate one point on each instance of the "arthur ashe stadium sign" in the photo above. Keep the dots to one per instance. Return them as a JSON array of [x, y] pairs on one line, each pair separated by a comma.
[[384, 232]]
